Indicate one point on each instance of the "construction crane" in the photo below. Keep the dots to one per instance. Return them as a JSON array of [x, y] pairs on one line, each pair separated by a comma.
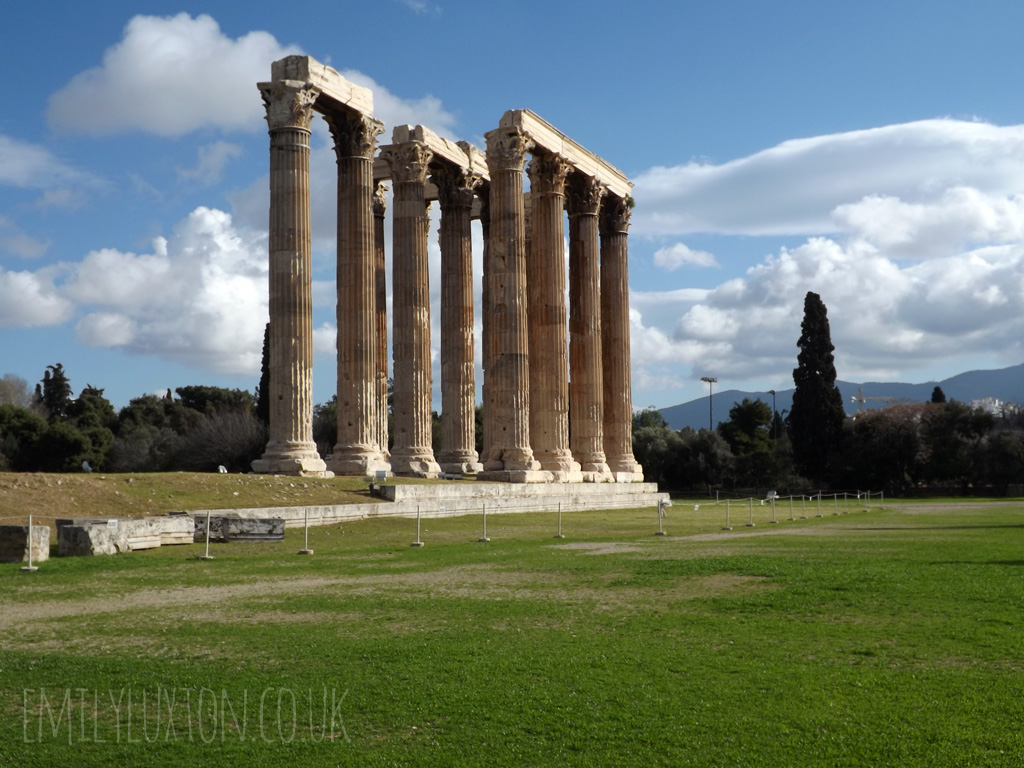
[[859, 399]]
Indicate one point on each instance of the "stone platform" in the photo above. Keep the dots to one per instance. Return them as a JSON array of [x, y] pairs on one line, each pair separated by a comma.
[[464, 499]]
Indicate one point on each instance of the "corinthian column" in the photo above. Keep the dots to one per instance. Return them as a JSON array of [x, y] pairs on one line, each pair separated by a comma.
[[291, 449], [549, 363], [357, 451], [585, 394], [412, 453], [618, 397], [508, 374], [381, 312], [458, 383]]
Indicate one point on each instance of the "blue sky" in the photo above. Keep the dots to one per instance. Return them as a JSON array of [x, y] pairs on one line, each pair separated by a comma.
[[871, 152]]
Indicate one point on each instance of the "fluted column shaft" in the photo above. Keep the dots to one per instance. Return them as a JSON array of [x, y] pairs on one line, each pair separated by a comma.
[[381, 314], [412, 453], [618, 397], [486, 327], [586, 387], [549, 364], [458, 381], [290, 449], [357, 451], [508, 377]]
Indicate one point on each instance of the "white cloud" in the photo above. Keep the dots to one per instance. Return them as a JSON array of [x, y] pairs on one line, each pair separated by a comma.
[[170, 76], [30, 299], [394, 110], [794, 187], [200, 298], [680, 255], [30, 166], [211, 161]]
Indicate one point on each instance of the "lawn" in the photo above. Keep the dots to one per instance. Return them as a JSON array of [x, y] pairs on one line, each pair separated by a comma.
[[883, 637]]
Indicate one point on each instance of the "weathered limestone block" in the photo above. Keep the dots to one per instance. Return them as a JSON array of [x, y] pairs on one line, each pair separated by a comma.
[[228, 528], [15, 541], [84, 538]]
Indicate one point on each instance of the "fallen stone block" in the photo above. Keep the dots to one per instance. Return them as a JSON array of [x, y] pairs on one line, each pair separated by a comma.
[[228, 528], [15, 541], [91, 538]]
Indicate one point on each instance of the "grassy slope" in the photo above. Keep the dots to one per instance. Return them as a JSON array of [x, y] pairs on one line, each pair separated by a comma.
[[882, 638], [137, 495]]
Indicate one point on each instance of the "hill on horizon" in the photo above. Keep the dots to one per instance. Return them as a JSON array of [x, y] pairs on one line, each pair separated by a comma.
[[1006, 384]]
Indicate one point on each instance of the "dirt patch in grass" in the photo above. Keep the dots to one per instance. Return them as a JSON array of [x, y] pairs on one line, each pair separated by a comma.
[[599, 548]]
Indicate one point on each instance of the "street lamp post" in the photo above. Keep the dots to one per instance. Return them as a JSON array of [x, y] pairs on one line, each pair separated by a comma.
[[711, 380]]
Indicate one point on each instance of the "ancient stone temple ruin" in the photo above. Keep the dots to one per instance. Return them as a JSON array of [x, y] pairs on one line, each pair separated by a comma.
[[538, 376]]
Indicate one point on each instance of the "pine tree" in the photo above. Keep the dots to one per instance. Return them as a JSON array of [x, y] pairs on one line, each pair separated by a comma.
[[816, 417], [938, 396], [54, 393], [263, 389]]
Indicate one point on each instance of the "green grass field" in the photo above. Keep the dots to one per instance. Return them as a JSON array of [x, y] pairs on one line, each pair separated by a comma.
[[886, 637]]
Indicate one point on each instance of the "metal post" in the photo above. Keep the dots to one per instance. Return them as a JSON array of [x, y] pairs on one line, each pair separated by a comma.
[[305, 524], [559, 534], [484, 537], [791, 507], [819, 505], [835, 503], [727, 526], [773, 511], [207, 556], [750, 501], [29, 568], [418, 542], [803, 507]]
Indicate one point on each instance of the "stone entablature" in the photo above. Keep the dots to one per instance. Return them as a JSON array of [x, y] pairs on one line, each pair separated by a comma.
[[527, 398]]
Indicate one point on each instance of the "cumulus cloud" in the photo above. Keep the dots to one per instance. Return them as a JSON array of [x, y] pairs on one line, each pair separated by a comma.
[[169, 76], [680, 255], [793, 188], [29, 299], [199, 298]]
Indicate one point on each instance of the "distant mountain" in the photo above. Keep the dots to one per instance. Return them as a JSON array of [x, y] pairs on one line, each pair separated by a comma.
[[1006, 384]]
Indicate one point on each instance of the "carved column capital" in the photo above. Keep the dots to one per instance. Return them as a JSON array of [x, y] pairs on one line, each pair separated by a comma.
[[506, 149], [408, 161], [548, 173], [615, 215], [584, 195], [380, 198], [289, 104], [456, 186], [354, 135]]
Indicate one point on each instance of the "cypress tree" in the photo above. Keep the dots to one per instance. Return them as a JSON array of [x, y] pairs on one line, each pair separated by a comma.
[[816, 417]]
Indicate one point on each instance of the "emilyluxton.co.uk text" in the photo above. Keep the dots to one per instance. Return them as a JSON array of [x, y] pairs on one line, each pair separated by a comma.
[[136, 716]]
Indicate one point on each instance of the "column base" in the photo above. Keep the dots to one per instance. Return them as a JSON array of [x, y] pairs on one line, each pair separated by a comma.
[[628, 477], [357, 461], [414, 463], [460, 462], [558, 463], [598, 476], [299, 459]]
